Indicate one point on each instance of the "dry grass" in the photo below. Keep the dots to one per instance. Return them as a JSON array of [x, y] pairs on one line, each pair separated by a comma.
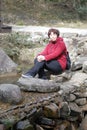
[[27, 12]]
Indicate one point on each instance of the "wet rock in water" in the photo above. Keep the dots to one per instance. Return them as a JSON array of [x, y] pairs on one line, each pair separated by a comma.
[[6, 64], [38, 85], [10, 93], [51, 111]]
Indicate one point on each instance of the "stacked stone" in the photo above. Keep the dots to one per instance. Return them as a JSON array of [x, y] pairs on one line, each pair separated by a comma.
[[69, 114]]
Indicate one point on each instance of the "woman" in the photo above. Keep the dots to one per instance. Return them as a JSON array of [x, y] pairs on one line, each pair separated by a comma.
[[53, 57]]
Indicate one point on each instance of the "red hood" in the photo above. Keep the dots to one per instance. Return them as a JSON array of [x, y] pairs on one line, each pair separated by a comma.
[[59, 39]]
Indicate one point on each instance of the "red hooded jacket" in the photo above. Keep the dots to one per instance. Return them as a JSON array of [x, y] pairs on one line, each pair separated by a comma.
[[56, 50]]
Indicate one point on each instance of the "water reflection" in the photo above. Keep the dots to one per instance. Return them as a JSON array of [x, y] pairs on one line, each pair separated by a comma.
[[9, 78]]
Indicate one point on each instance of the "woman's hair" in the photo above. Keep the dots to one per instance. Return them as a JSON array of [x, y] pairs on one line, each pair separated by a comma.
[[55, 31]]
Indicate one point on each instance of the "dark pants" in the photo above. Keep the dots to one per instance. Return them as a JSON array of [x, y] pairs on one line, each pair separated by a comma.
[[52, 66]]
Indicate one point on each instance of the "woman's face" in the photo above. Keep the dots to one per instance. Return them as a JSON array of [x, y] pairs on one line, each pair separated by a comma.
[[53, 36]]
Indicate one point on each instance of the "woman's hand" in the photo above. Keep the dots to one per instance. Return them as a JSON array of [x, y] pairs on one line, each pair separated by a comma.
[[40, 58]]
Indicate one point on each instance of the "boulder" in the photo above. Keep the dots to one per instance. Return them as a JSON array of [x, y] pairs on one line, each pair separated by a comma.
[[10, 93], [6, 63], [38, 85]]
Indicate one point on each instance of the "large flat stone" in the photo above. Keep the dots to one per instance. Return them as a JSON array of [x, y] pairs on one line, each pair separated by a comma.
[[38, 85]]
